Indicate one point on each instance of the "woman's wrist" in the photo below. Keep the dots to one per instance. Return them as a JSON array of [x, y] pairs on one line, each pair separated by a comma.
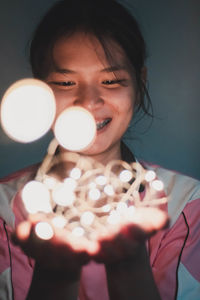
[[52, 275], [53, 284], [132, 278]]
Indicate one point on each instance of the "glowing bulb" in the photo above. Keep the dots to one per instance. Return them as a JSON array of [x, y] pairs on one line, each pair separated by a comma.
[[157, 185], [78, 231], [106, 208], [108, 190], [114, 217], [36, 197], [63, 195], [101, 180], [87, 218], [44, 230], [59, 221], [150, 175], [94, 194], [121, 207], [70, 183], [75, 129], [130, 212], [125, 176], [92, 185], [27, 110], [75, 173], [50, 182]]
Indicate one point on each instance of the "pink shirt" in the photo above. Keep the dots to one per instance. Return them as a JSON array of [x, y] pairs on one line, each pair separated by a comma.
[[174, 253]]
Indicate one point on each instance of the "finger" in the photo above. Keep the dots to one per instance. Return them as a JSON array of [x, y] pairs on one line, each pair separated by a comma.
[[150, 219]]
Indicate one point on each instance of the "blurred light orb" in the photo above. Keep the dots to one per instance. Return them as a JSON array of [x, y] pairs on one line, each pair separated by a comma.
[[63, 195], [75, 173], [157, 185], [109, 190], [78, 231], [70, 183], [125, 175], [36, 197], [28, 110], [87, 218], [114, 217], [44, 230], [75, 129], [59, 221], [106, 208], [50, 182], [130, 212], [101, 180], [122, 207], [150, 176], [94, 194]]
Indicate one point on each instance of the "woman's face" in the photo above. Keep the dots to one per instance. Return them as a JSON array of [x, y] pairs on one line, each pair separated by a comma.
[[83, 77]]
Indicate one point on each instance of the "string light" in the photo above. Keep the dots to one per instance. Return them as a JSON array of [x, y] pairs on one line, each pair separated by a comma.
[[87, 218], [75, 173], [59, 221], [78, 231], [125, 176], [44, 230], [106, 208], [94, 194], [63, 195], [70, 183], [92, 197], [109, 190], [157, 185], [101, 180], [150, 176]]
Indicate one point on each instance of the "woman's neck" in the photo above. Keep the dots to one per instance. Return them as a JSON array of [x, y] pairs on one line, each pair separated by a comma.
[[104, 157]]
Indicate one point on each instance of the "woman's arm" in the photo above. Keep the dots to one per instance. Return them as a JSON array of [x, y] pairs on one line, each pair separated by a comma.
[[132, 279], [51, 285], [58, 266], [129, 275]]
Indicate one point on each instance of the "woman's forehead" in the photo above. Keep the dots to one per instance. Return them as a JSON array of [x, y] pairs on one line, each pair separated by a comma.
[[80, 44]]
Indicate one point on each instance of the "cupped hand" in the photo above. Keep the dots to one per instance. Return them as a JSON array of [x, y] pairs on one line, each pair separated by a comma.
[[57, 253], [131, 236], [62, 252]]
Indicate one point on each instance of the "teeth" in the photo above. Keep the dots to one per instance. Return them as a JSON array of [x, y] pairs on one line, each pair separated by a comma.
[[102, 124]]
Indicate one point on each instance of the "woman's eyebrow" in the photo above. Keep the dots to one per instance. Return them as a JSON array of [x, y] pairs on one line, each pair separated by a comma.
[[64, 71], [114, 68]]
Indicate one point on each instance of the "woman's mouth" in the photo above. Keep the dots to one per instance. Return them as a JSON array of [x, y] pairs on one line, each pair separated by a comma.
[[103, 124]]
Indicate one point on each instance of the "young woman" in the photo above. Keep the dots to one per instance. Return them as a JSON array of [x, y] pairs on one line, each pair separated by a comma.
[[92, 54]]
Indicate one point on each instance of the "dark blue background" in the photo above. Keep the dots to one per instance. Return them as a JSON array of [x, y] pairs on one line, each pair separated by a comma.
[[172, 32]]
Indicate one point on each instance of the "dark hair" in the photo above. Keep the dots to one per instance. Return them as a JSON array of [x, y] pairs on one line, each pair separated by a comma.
[[107, 20]]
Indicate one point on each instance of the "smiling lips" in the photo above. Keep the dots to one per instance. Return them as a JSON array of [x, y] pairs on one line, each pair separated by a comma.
[[102, 124]]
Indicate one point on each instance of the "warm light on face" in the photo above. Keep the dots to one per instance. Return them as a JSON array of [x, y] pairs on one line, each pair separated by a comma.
[[27, 110], [75, 129]]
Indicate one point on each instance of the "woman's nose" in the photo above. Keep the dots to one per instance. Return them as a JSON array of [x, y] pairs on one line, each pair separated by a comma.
[[88, 97]]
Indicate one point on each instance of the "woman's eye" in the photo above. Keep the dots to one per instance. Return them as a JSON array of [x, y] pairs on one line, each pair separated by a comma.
[[113, 82], [63, 83]]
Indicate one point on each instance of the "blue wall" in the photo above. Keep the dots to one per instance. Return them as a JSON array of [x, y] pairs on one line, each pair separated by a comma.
[[172, 31]]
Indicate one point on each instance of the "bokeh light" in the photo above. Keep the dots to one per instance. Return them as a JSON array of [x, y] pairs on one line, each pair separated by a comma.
[[75, 129], [27, 110]]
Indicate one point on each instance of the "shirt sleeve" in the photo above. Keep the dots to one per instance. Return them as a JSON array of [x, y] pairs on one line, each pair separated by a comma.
[[175, 256]]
